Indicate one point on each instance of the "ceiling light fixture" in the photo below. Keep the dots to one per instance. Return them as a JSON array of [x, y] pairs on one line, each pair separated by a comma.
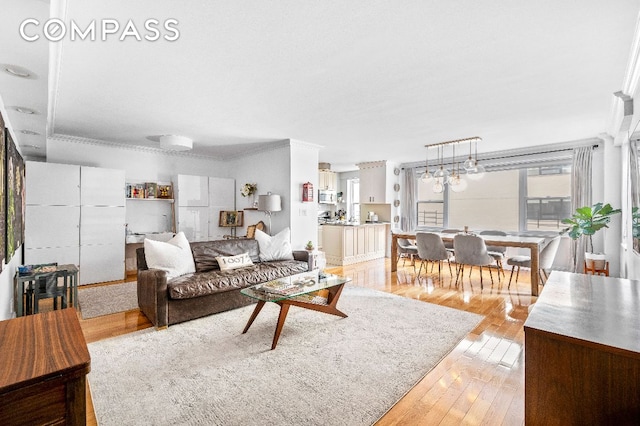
[[176, 143], [17, 71], [454, 179], [23, 110]]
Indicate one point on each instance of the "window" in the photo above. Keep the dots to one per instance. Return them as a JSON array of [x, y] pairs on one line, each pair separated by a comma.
[[353, 199], [548, 197], [430, 206], [527, 199]]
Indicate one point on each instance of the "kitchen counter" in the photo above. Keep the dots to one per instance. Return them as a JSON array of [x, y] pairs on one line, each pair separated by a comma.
[[352, 242]]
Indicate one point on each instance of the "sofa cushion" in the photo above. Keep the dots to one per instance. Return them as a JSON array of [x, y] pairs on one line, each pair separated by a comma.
[[277, 247], [216, 281], [205, 252], [228, 263], [174, 256]]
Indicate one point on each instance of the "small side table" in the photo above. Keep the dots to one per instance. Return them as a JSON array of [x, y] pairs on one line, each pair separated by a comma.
[[594, 271]]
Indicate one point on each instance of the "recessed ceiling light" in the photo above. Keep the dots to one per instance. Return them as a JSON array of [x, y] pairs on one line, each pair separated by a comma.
[[17, 71], [23, 110], [30, 146], [29, 132]]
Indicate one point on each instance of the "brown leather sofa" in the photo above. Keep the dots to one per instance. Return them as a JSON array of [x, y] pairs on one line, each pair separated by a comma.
[[209, 290]]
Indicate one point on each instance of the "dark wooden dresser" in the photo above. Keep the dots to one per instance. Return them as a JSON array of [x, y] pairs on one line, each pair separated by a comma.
[[44, 361], [582, 352]]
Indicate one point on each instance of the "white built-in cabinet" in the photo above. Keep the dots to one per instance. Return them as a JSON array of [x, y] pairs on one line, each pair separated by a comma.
[[327, 180], [76, 214], [52, 215], [102, 224], [345, 245], [199, 202], [376, 182]]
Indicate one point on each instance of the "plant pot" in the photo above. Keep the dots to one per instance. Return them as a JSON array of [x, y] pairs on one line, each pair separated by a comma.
[[595, 260]]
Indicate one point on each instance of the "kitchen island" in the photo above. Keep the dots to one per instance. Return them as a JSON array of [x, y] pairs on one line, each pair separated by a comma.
[[346, 244]]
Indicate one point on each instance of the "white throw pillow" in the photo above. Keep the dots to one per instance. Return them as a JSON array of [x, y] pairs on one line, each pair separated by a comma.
[[174, 256], [234, 262], [277, 247]]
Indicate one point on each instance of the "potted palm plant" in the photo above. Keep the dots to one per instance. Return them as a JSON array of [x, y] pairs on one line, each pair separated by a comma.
[[587, 221]]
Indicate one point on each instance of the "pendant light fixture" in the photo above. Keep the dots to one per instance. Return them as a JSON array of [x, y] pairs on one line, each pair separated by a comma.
[[426, 176], [454, 179]]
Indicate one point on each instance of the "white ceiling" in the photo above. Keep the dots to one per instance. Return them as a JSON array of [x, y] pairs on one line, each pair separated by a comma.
[[367, 80]]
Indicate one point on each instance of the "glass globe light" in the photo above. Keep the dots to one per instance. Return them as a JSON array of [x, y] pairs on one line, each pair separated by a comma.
[[469, 164], [458, 184], [438, 187], [441, 173], [477, 172], [426, 176]]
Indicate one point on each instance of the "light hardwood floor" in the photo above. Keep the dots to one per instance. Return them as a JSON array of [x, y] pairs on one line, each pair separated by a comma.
[[481, 382]]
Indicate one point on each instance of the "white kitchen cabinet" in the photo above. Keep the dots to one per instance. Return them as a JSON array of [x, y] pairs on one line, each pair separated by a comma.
[[376, 182], [345, 245], [61, 255], [101, 225], [192, 191], [327, 180]]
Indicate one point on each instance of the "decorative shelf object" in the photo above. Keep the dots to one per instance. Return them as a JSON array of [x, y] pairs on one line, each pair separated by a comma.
[[149, 191]]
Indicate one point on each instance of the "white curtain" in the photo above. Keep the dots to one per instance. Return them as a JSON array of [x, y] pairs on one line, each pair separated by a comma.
[[408, 206], [581, 171]]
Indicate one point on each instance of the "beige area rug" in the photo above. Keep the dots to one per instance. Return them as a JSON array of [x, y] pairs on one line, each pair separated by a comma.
[[325, 370], [107, 299]]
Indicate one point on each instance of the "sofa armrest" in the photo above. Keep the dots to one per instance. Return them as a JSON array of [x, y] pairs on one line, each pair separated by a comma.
[[153, 296], [301, 255]]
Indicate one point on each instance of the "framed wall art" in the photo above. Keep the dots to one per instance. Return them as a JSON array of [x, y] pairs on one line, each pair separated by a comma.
[[231, 218], [15, 197], [3, 174]]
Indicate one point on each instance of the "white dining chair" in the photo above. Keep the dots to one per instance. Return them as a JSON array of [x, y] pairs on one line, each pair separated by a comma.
[[497, 252]]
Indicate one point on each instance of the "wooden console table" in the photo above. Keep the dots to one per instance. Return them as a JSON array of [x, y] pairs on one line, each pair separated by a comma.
[[45, 361], [582, 356]]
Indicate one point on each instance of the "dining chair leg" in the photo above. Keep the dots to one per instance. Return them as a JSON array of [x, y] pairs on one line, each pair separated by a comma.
[[420, 270], [491, 274], [481, 284], [517, 274], [432, 265], [458, 273], [511, 276], [449, 262], [440, 269]]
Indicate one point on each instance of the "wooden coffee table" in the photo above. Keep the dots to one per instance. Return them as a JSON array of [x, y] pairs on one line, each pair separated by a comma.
[[297, 290]]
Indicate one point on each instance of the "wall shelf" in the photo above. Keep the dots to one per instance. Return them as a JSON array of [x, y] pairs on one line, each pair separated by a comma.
[[170, 200]]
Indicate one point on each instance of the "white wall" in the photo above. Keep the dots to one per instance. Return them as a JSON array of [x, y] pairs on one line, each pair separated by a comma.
[[304, 216], [281, 169], [8, 270]]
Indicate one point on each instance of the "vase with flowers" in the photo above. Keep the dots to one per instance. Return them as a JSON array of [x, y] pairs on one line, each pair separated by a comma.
[[249, 190]]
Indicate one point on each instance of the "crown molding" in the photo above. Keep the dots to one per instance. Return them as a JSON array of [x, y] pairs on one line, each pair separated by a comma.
[[619, 125], [88, 141]]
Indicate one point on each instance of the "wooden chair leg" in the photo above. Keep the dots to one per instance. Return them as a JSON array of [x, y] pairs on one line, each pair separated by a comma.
[[450, 273], [481, 284], [420, 270], [491, 274]]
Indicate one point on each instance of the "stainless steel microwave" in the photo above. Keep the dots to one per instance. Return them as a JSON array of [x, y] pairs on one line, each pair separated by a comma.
[[327, 196]]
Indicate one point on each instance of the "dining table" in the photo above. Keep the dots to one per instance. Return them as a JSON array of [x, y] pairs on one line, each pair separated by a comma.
[[534, 244]]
